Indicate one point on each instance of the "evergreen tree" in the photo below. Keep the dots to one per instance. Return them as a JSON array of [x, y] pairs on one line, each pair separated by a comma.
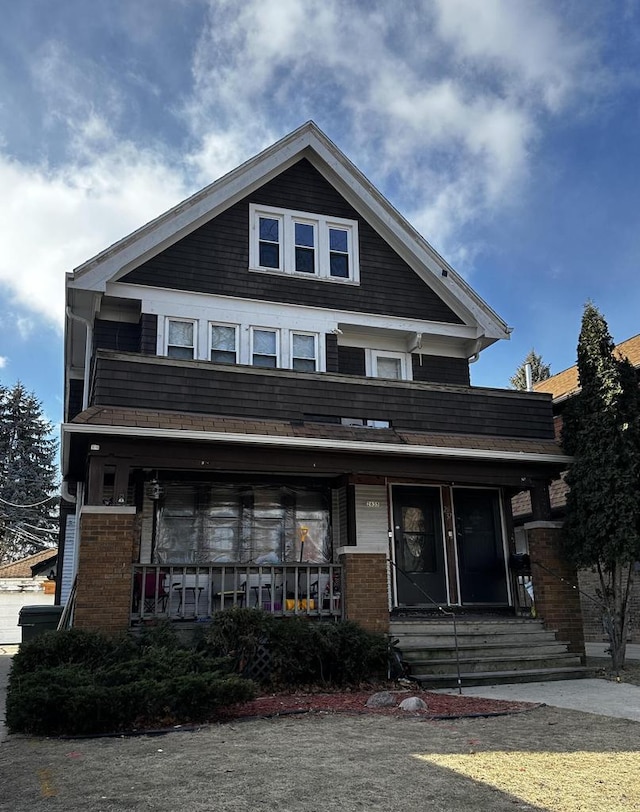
[[28, 505], [539, 371], [602, 431]]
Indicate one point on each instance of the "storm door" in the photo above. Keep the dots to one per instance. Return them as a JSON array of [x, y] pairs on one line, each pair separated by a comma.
[[419, 553], [481, 563]]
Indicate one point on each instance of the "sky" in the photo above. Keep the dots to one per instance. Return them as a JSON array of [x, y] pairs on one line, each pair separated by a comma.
[[506, 131]]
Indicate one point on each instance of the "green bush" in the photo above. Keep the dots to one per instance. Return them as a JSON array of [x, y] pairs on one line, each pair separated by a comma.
[[300, 651], [75, 682]]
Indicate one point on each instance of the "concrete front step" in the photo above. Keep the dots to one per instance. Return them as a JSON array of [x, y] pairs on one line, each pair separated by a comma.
[[506, 663], [440, 627], [426, 638], [422, 653], [450, 680], [495, 650]]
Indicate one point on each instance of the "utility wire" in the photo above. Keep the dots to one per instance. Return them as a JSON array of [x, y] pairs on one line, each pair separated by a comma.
[[35, 504]]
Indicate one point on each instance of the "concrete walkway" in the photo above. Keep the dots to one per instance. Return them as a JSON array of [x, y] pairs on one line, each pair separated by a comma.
[[599, 696]]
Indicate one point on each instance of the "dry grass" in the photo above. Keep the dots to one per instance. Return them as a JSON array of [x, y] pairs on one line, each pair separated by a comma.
[[602, 669], [572, 782]]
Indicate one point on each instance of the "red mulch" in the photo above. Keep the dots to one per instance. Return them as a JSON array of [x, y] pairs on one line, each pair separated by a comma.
[[354, 702]]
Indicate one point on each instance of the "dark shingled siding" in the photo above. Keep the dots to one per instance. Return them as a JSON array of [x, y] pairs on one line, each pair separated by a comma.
[[285, 395], [437, 369], [215, 259], [116, 335]]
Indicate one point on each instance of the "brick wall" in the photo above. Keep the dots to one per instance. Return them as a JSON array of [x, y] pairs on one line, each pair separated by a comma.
[[365, 590], [108, 547], [557, 601], [592, 615]]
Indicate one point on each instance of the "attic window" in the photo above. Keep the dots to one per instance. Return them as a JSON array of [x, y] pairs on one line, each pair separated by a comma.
[[304, 245]]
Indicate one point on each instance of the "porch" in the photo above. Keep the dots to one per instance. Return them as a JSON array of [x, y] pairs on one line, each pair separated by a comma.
[[186, 592]]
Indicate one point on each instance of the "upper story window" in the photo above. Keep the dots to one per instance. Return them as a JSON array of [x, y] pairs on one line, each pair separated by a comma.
[[265, 350], [387, 364], [223, 343], [299, 243], [181, 336], [304, 352]]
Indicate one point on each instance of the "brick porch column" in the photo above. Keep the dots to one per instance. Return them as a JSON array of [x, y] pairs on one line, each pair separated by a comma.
[[557, 602], [108, 547], [365, 589]]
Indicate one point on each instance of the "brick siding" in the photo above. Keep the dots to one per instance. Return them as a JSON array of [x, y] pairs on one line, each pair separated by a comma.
[[108, 547], [557, 601], [592, 616], [365, 590]]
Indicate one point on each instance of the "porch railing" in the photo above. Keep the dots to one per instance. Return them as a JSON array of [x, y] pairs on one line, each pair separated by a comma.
[[190, 592]]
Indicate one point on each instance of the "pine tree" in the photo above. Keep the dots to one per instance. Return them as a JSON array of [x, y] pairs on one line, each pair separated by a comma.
[[602, 431], [539, 371], [28, 505]]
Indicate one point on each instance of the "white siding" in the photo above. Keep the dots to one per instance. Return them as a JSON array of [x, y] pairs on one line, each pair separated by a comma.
[[69, 562], [372, 526]]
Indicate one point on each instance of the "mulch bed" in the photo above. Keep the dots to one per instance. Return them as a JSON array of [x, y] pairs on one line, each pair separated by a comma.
[[439, 706]]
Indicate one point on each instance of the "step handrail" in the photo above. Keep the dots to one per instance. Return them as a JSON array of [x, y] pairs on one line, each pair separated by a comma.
[[565, 581], [446, 612]]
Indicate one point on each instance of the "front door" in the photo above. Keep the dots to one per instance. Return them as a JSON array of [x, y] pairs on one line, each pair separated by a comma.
[[481, 561], [419, 552]]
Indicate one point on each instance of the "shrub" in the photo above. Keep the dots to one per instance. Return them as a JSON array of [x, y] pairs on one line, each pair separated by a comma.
[[78, 682], [300, 651]]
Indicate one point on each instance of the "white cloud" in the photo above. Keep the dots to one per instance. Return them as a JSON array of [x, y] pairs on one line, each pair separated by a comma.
[[55, 219], [3, 361], [441, 106], [522, 41]]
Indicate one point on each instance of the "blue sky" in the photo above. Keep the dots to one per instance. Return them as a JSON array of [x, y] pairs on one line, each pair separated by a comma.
[[507, 131]]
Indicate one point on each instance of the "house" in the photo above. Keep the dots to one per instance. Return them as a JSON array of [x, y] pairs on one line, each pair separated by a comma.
[[29, 581], [268, 403], [562, 387]]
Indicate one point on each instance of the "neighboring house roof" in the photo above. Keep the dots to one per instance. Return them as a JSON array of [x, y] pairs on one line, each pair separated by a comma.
[[309, 142], [566, 383], [30, 566], [143, 423]]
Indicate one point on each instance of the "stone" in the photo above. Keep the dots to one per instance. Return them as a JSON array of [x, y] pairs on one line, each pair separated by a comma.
[[383, 699], [413, 703]]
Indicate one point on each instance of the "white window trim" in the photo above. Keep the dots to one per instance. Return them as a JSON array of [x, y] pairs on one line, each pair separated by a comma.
[[167, 322], [278, 356], [236, 328], [316, 342], [322, 224], [371, 363]]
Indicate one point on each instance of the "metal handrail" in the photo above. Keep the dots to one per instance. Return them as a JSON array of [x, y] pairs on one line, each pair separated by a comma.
[[440, 609], [564, 581]]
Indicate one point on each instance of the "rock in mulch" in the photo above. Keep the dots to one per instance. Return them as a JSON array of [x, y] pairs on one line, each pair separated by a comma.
[[413, 703], [383, 699]]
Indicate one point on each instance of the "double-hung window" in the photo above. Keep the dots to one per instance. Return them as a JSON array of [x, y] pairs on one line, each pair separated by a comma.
[[265, 349], [388, 364], [305, 241], [304, 352], [303, 244], [181, 338], [223, 343], [270, 242], [339, 253]]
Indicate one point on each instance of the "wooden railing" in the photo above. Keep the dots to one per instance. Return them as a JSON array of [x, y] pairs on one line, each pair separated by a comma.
[[190, 592]]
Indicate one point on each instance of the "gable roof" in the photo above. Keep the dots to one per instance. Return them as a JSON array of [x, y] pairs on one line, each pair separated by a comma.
[[310, 142], [566, 383], [29, 567]]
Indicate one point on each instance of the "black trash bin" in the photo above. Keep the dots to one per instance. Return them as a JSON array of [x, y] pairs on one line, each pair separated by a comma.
[[35, 620]]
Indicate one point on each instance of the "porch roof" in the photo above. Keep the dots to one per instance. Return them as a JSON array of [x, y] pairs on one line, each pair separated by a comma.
[[145, 423]]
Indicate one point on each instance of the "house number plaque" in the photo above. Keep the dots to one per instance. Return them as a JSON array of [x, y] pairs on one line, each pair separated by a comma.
[[372, 504]]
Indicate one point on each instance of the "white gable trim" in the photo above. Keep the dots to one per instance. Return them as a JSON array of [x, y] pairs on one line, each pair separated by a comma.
[[310, 142]]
